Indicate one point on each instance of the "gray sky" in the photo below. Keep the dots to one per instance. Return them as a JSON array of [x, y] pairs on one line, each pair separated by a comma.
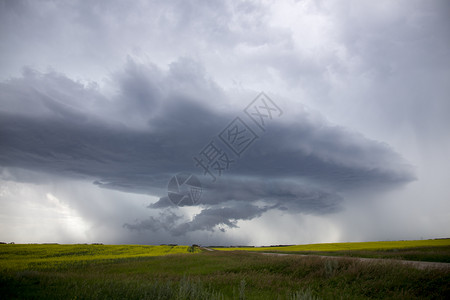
[[101, 104]]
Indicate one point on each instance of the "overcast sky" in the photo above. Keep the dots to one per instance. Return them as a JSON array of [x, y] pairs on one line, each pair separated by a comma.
[[103, 102]]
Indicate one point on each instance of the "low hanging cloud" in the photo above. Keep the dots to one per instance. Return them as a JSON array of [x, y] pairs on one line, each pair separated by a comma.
[[208, 219], [229, 201], [147, 131]]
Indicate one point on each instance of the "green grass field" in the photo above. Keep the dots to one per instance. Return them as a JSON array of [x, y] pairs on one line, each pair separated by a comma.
[[165, 272]]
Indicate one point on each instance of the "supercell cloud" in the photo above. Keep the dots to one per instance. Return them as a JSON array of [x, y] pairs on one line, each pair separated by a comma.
[[300, 165]]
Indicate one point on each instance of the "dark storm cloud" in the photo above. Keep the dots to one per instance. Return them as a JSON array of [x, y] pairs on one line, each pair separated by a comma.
[[208, 219], [233, 199], [157, 121], [282, 193]]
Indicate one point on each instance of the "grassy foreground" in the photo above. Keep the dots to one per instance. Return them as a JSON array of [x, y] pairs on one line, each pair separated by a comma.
[[134, 272]]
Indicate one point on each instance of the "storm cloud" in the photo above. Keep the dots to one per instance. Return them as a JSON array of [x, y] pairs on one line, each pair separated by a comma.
[[150, 131]]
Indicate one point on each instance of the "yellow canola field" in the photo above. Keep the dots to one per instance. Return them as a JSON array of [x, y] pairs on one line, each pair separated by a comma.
[[22, 256], [348, 246]]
